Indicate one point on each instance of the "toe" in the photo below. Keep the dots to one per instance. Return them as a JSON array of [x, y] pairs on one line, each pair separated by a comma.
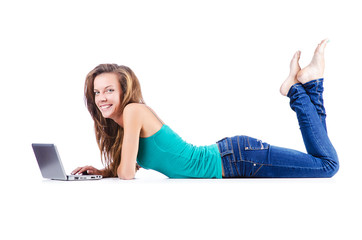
[[295, 62], [322, 45], [297, 55]]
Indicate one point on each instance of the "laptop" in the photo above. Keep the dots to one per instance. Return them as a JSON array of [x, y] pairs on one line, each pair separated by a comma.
[[51, 166]]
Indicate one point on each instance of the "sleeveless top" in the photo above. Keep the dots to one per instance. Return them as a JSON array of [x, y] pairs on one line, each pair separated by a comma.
[[169, 154]]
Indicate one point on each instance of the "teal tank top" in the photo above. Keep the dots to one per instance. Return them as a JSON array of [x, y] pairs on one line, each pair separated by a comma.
[[167, 153]]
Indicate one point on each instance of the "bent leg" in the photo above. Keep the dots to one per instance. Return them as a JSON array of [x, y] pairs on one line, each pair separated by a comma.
[[315, 89], [314, 134], [322, 160], [313, 130], [244, 156]]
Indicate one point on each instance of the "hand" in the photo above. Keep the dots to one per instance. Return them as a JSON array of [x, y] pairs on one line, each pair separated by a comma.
[[86, 170]]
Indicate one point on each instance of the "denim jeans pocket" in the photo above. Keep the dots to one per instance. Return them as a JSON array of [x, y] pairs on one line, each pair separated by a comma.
[[248, 169], [255, 144], [243, 156]]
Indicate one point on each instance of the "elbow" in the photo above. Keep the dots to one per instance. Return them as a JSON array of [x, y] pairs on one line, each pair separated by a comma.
[[126, 176]]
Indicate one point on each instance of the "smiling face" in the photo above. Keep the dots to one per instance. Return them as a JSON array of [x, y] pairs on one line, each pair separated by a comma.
[[107, 92]]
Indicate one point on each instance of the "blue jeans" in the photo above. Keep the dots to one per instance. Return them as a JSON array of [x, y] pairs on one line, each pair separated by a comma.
[[243, 156]]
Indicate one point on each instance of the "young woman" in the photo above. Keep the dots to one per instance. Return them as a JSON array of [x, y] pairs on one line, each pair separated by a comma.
[[129, 134]]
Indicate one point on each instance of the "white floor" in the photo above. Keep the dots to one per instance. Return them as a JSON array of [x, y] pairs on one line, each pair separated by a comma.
[[162, 208]]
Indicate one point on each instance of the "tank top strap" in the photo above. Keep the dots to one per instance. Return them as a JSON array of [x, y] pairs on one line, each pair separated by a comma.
[[155, 114]]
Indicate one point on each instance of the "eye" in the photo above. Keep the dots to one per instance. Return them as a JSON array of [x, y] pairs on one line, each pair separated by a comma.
[[96, 93], [110, 90]]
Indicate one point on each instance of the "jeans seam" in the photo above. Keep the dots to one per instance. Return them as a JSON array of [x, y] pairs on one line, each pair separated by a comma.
[[230, 162], [238, 141], [321, 146], [310, 123], [236, 167], [319, 102], [257, 170]]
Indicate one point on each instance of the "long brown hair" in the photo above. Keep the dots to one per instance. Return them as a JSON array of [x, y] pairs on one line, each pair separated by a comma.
[[109, 134]]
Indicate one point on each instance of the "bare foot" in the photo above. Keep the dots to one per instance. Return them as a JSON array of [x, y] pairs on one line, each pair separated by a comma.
[[292, 78], [315, 69]]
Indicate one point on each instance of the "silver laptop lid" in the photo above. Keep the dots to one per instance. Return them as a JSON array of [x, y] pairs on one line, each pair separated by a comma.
[[49, 161]]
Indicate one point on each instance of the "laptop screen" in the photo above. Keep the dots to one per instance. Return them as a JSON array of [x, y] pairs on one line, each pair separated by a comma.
[[49, 161]]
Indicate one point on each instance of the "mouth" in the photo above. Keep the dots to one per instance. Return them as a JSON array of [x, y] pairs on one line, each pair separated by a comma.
[[105, 106]]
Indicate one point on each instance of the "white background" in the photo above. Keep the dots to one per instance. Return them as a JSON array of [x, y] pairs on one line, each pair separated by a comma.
[[210, 69]]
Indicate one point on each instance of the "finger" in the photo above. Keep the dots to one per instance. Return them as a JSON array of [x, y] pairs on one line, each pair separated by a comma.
[[76, 170], [83, 169], [86, 169], [93, 171]]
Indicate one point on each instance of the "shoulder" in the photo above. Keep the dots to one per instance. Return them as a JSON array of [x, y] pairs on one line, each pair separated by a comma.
[[133, 112], [133, 108]]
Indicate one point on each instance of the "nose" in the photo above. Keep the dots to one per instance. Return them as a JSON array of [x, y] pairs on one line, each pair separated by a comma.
[[101, 97]]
